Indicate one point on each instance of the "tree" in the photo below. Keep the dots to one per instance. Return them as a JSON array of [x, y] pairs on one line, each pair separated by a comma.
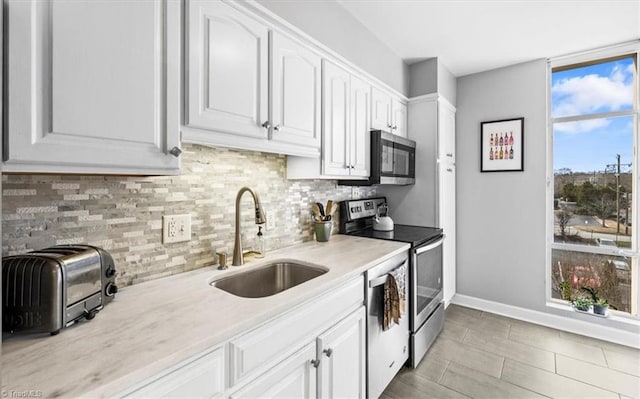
[[610, 286], [598, 200], [571, 192], [563, 216]]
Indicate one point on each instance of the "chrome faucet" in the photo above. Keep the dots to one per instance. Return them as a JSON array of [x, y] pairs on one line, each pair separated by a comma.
[[238, 260]]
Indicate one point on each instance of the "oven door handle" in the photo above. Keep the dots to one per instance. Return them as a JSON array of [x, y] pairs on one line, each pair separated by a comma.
[[378, 281], [429, 247]]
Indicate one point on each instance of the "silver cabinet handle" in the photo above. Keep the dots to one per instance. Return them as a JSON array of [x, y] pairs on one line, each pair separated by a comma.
[[394, 127], [315, 362], [276, 128], [266, 125], [449, 154], [328, 352], [175, 151], [449, 170]]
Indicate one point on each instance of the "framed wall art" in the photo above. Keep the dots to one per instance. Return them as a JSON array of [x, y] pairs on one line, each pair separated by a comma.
[[502, 145]]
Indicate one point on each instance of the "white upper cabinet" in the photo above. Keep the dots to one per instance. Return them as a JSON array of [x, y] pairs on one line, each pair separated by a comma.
[[79, 100], [446, 132], [295, 93], [388, 113], [228, 70], [345, 130], [360, 138], [380, 110], [249, 87], [399, 118], [335, 111]]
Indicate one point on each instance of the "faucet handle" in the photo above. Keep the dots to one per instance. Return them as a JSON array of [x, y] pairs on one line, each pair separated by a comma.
[[222, 260]]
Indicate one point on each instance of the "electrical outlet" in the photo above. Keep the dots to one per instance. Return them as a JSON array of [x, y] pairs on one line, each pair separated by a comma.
[[271, 223], [176, 228], [355, 192]]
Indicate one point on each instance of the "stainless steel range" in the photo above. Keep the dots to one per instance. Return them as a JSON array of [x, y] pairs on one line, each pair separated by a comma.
[[426, 316]]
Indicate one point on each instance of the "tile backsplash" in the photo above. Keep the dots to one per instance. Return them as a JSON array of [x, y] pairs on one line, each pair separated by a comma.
[[123, 214]]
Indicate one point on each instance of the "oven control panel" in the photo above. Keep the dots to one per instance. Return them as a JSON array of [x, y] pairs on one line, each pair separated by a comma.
[[359, 209]]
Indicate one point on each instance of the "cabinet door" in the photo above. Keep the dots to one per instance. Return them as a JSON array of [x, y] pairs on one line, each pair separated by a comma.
[[294, 377], [446, 132], [228, 70], [399, 124], [360, 139], [341, 351], [335, 112], [296, 73], [380, 110], [81, 101]]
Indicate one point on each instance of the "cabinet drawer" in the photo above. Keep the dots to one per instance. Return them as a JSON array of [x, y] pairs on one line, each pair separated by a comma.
[[252, 352], [200, 377]]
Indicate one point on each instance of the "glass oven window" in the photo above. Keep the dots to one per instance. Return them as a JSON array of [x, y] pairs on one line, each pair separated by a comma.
[[428, 277]]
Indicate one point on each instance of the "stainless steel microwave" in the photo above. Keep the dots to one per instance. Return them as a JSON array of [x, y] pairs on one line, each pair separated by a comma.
[[393, 161]]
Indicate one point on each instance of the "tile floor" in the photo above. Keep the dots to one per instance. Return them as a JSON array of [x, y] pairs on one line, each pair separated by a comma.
[[483, 355]]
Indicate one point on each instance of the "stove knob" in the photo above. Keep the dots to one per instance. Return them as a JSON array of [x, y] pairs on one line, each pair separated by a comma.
[[111, 289], [110, 272]]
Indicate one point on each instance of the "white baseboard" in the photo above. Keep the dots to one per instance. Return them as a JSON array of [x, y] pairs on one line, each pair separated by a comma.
[[575, 326]]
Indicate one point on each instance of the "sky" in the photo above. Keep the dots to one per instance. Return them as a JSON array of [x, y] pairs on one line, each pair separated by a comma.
[[591, 145]]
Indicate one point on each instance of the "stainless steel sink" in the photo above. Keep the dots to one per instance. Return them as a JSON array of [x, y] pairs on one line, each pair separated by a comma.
[[268, 280]]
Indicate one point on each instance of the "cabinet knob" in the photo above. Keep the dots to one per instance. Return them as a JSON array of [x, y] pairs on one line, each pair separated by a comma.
[[175, 151], [389, 126], [266, 125], [328, 352], [276, 128], [315, 362], [394, 127]]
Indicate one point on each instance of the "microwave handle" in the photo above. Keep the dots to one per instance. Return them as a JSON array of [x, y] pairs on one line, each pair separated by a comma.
[[429, 247]]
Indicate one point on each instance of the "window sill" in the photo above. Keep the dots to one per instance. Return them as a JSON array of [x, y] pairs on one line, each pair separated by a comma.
[[613, 316]]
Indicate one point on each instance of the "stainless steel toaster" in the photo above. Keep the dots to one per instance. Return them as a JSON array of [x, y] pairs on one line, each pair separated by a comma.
[[52, 288]]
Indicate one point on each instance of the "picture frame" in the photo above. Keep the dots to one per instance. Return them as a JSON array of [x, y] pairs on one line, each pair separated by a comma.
[[502, 145]]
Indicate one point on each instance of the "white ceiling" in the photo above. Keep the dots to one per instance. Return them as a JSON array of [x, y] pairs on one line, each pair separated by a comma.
[[470, 36]]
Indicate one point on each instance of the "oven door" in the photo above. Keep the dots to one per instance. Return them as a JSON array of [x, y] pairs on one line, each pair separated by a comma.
[[426, 281]]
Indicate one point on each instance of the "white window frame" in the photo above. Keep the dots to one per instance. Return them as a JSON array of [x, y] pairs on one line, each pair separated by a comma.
[[634, 252]]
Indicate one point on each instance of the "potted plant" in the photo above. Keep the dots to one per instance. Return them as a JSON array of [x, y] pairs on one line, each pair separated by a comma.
[[600, 306], [582, 303], [565, 290]]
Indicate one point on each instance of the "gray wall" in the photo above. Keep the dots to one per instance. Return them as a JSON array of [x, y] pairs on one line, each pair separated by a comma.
[[431, 76], [423, 77], [447, 83], [501, 216], [330, 24]]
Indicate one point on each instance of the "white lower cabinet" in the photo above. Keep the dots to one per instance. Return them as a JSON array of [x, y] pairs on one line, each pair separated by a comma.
[[200, 377], [341, 351], [316, 350], [294, 377]]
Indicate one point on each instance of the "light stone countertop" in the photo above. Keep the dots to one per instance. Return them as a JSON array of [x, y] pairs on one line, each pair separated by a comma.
[[154, 325]]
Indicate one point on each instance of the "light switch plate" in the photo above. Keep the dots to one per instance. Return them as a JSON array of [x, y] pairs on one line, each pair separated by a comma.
[[355, 192], [176, 228]]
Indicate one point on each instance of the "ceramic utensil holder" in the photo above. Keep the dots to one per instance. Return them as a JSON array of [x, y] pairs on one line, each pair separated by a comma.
[[323, 231]]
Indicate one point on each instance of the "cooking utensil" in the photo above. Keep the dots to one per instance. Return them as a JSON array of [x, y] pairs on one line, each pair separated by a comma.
[[329, 207], [321, 207], [316, 211]]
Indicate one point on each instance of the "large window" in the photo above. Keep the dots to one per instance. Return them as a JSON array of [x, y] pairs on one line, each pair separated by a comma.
[[594, 175]]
